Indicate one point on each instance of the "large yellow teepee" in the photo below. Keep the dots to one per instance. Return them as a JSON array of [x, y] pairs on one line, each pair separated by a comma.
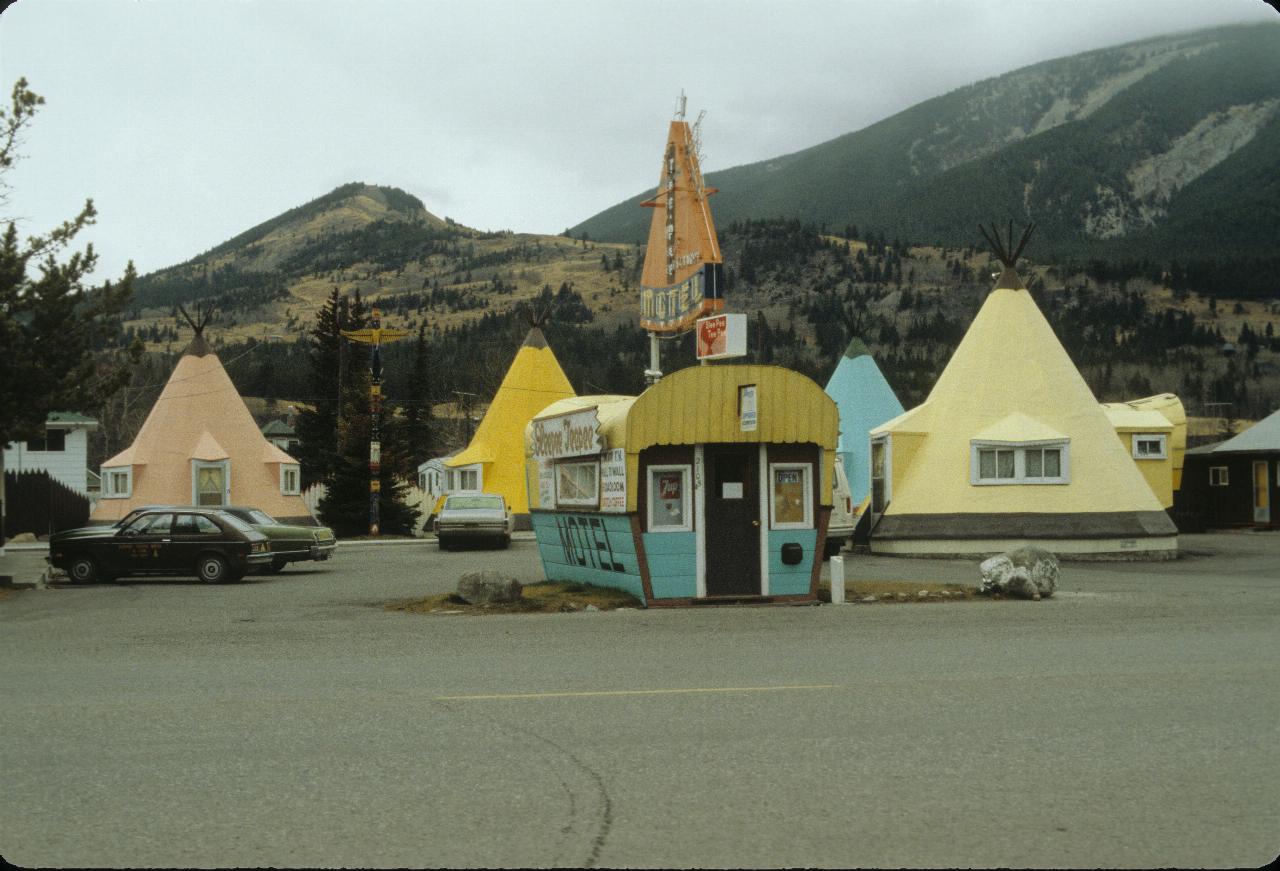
[[1010, 448], [494, 460], [200, 446]]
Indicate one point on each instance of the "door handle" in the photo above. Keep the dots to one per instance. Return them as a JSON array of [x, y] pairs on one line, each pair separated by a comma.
[[755, 523]]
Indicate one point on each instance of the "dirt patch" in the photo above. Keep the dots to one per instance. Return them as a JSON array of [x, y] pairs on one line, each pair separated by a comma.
[[547, 597]]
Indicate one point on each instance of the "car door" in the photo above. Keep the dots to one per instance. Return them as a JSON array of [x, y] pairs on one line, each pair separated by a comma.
[[144, 545], [191, 534]]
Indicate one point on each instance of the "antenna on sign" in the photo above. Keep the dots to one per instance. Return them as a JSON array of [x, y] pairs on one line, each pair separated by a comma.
[[680, 105], [697, 138]]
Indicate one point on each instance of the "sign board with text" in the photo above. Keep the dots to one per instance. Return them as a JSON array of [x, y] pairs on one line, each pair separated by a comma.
[[720, 336]]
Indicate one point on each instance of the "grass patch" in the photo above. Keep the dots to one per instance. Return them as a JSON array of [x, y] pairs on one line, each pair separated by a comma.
[[545, 597], [901, 591]]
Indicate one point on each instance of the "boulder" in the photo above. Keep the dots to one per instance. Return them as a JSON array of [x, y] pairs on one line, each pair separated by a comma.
[[1026, 572], [23, 538], [482, 588]]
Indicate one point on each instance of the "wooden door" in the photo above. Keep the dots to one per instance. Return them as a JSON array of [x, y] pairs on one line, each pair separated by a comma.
[[1261, 492], [732, 523]]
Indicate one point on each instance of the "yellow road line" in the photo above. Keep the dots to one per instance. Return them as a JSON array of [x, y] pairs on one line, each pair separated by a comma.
[[663, 692]]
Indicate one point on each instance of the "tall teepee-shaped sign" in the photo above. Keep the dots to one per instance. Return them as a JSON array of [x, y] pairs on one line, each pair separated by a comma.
[[683, 277]]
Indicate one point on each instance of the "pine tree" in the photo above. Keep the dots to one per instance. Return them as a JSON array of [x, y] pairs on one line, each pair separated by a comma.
[[345, 506]]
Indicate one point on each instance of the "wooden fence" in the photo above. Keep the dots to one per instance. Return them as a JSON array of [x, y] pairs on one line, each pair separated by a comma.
[[37, 503]]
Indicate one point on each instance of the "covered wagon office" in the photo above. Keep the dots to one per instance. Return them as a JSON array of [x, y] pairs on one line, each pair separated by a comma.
[[712, 485]]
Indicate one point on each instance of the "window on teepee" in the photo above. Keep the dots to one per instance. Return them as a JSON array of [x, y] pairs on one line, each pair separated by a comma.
[[289, 479], [1152, 446], [210, 483], [1019, 464], [117, 483]]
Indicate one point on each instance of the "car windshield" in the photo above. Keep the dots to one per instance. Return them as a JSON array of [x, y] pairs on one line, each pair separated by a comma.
[[237, 523], [262, 517], [473, 502]]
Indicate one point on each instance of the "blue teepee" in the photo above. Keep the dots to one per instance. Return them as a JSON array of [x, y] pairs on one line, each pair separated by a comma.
[[865, 401]]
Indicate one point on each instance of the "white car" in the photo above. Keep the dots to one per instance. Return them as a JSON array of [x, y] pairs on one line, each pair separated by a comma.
[[474, 517]]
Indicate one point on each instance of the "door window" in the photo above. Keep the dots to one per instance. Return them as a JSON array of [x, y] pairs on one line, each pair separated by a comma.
[[792, 495], [669, 499], [879, 479]]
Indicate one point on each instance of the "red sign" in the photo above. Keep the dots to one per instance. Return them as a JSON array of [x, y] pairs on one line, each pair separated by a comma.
[[669, 486], [711, 336]]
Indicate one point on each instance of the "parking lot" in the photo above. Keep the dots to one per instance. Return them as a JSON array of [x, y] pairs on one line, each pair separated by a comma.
[[293, 721]]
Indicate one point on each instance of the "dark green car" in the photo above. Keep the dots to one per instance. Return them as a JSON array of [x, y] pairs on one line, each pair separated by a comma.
[[210, 544], [288, 543]]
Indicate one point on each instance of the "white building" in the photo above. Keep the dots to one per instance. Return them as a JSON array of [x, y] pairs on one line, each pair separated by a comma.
[[63, 451]]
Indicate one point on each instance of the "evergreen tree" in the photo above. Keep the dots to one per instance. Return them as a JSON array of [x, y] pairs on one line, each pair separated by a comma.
[[317, 427], [345, 506], [52, 324]]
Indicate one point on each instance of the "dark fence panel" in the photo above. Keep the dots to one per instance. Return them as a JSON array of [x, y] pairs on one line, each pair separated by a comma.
[[35, 502]]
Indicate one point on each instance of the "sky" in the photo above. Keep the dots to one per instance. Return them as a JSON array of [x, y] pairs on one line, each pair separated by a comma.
[[190, 121]]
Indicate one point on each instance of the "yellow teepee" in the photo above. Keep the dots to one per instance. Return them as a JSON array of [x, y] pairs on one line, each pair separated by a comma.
[[494, 460], [1011, 448], [200, 446]]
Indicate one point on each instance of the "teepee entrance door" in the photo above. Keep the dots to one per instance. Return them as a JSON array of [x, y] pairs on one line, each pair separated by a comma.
[[732, 528], [210, 484], [1261, 492]]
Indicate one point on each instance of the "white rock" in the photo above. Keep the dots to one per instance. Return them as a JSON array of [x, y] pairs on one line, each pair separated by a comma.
[[1027, 572]]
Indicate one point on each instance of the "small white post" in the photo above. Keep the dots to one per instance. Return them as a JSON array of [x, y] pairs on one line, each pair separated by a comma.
[[837, 580]]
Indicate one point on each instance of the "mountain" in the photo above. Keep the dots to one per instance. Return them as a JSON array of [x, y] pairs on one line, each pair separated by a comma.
[[1134, 151], [382, 243]]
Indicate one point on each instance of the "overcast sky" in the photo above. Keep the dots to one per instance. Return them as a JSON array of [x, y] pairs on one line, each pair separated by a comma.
[[189, 121]]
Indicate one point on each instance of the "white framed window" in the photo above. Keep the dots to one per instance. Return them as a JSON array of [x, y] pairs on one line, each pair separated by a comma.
[[670, 499], [117, 483], [210, 482], [1029, 463], [465, 479], [790, 496], [290, 480], [578, 483], [1218, 476], [1150, 446]]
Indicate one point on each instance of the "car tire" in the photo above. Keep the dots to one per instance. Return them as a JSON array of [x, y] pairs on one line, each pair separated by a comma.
[[445, 544], [213, 569], [504, 542], [274, 566], [83, 570]]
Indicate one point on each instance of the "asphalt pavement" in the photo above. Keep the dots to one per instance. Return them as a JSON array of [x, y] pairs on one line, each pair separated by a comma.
[[294, 721]]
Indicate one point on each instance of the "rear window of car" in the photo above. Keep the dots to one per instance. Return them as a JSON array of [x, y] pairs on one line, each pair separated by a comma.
[[237, 523], [473, 502], [261, 517], [194, 524]]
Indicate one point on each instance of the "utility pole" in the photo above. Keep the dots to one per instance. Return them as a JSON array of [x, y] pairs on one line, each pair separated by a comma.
[[374, 335], [466, 410]]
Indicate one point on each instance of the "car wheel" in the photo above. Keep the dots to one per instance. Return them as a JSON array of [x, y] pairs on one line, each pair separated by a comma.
[[213, 569], [83, 570], [504, 542], [445, 544], [273, 567]]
